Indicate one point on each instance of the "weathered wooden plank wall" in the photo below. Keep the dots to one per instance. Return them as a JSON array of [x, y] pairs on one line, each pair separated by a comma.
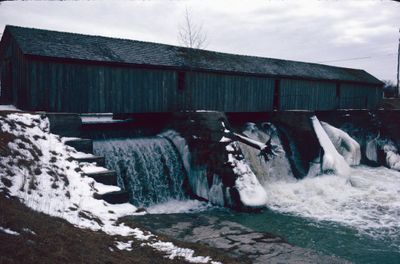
[[84, 88], [307, 95], [94, 88], [12, 72], [228, 93], [357, 96]]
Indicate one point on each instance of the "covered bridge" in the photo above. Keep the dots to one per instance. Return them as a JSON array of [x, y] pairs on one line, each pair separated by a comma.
[[66, 72]]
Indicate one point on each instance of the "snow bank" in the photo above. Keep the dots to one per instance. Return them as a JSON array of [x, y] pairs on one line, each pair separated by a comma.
[[332, 160], [38, 168], [344, 144]]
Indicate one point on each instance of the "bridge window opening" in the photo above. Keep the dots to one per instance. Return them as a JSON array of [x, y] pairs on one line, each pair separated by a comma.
[[338, 90], [276, 103], [181, 81]]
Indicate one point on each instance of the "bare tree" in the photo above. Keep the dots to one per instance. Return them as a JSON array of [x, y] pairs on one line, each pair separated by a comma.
[[389, 89], [192, 35]]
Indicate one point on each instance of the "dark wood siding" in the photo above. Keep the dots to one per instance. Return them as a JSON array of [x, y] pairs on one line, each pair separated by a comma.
[[307, 95], [357, 96], [92, 88], [13, 64], [86, 88], [228, 93], [96, 88]]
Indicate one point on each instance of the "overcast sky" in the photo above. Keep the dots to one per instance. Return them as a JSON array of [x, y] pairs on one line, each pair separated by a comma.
[[356, 34]]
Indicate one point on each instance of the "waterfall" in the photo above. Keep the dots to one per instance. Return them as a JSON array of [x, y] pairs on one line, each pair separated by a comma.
[[149, 168], [273, 170], [197, 175]]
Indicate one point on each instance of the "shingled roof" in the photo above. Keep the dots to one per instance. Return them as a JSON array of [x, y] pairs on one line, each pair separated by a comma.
[[104, 49]]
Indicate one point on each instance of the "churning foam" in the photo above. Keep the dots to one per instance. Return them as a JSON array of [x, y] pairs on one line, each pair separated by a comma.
[[178, 207], [368, 200]]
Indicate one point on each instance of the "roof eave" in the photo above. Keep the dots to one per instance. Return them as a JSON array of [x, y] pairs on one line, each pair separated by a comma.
[[186, 68]]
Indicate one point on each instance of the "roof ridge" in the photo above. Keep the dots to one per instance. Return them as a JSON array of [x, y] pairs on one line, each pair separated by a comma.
[[179, 47], [167, 54]]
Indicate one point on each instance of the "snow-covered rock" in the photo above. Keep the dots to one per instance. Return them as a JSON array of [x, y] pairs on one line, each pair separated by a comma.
[[250, 190]]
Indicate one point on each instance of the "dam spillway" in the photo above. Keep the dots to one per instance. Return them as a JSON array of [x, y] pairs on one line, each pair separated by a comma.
[[150, 168]]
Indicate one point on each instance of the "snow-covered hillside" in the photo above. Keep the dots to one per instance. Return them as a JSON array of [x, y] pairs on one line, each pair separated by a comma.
[[37, 167]]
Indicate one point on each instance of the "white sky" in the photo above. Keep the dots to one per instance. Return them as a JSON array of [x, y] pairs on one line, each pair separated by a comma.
[[367, 32]]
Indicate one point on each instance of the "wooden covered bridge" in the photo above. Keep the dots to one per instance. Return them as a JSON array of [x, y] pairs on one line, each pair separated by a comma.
[[66, 72]]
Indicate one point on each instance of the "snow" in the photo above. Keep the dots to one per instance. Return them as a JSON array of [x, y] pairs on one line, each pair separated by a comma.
[[9, 231], [90, 168], [174, 251], [344, 144], [8, 108], [27, 230], [95, 118], [66, 139], [332, 160], [47, 180], [124, 245], [103, 188], [98, 118], [250, 190], [259, 145], [225, 139], [82, 155], [205, 111]]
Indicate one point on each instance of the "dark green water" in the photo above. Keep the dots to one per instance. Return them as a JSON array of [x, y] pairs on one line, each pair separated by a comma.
[[325, 237]]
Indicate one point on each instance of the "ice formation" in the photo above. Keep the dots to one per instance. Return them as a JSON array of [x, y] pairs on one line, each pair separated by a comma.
[[344, 144], [277, 168], [332, 160]]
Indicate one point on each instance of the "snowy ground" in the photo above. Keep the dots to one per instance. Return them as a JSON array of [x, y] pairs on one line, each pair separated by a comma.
[[37, 167], [8, 108]]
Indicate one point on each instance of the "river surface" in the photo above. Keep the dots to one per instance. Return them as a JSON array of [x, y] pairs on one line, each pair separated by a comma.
[[354, 218]]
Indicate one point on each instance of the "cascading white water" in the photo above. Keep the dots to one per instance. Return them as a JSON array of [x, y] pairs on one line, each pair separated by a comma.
[[149, 168], [275, 169], [368, 201], [360, 197], [197, 177]]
